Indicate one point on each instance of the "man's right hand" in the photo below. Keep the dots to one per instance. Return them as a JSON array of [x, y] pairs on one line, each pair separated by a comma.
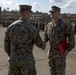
[[44, 46]]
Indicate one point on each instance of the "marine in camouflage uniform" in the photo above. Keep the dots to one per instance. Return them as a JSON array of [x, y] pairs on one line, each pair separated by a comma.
[[20, 38], [55, 33]]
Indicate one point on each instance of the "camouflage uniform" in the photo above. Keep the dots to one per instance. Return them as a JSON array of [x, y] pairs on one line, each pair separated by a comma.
[[20, 38], [55, 33]]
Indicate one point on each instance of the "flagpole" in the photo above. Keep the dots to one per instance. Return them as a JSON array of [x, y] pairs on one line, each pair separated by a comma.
[[29, 2]]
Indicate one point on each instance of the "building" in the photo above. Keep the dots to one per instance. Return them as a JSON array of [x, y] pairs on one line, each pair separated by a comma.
[[7, 17], [40, 17], [70, 18]]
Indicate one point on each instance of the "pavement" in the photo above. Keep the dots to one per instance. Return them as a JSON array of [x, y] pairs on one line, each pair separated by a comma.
[[40, 58]]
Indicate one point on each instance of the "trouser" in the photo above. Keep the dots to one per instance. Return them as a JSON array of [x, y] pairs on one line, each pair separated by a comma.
[[57, 65], [20, 68]]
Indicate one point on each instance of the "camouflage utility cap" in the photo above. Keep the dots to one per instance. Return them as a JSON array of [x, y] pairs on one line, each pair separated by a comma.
[[25, 7], [55, 9]]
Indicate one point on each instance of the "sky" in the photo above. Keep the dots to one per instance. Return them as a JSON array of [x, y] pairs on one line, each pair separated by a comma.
[[67, 6]]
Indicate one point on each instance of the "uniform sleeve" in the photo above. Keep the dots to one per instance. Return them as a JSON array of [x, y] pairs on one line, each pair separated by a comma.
[[45, 35], [71, 38], [38, 41], [7, 43]]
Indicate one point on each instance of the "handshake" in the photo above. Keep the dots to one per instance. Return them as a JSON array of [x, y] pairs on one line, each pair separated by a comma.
[[44, 46]]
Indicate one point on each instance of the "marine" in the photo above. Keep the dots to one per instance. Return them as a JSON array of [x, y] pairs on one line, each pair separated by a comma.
[[56, 32], [19, 41]]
